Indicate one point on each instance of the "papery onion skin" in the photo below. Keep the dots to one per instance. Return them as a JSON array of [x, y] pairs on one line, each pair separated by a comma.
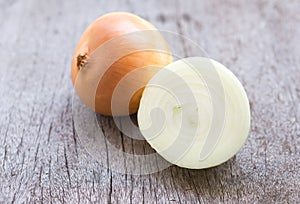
[[102, 30]]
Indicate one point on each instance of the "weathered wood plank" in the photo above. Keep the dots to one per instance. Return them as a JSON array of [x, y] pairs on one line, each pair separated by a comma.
[[41, 157]]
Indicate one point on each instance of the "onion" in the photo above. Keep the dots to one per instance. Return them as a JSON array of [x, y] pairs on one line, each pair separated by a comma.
[[112, 47], [195, 113]]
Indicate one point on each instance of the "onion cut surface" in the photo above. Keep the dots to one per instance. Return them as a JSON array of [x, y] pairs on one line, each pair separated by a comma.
[[195, 113]]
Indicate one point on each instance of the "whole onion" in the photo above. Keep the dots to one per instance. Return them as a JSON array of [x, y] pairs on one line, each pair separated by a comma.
[[112, 47]]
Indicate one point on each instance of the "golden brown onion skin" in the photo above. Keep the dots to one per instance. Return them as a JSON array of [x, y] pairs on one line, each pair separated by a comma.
[[103, 29]]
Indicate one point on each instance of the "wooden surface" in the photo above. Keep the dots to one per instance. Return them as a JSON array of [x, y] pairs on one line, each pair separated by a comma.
[[41, 158]]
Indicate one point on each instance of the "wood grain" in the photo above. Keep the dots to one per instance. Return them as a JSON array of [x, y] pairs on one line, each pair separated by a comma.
[[41, 158]]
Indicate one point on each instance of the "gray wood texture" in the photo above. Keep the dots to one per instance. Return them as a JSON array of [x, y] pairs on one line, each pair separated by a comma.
[[41, 158]]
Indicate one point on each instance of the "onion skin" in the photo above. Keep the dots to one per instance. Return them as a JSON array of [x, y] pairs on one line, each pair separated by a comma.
[[106, 28]]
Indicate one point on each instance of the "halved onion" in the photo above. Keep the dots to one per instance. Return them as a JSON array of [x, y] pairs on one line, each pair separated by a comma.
[[195, 113]]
